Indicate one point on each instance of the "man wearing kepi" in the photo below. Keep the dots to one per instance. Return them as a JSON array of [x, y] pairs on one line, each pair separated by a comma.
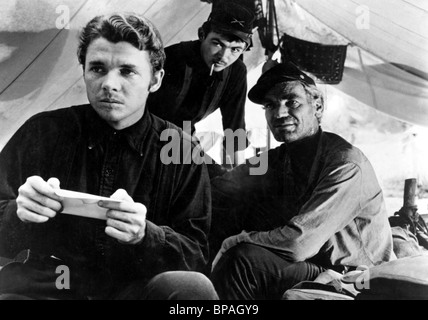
[[204, 75], [152, 243], [318, 207]]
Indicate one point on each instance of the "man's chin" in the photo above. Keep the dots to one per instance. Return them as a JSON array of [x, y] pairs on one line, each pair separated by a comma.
[[285, 137], [107, 114]]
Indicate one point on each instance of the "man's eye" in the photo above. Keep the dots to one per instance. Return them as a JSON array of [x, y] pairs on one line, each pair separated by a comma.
[[293, 104], [237, 50], [127, 72], [268, 106], [216, 43], [97, 69]]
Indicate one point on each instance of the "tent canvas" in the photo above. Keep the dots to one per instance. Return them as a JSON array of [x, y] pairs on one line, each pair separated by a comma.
[[380, 105]]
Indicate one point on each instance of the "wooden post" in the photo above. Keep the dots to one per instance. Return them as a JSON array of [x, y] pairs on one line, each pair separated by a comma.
[[409, 198]]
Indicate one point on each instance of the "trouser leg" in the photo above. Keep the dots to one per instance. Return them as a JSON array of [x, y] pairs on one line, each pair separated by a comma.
[[172, 285], [35, 281], [8, 296], [247, 272]]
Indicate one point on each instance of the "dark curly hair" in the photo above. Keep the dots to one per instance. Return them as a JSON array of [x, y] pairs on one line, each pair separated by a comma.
[[128, 27]]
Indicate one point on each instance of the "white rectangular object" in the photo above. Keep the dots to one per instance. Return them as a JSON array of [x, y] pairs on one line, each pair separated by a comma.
[[83, 204]]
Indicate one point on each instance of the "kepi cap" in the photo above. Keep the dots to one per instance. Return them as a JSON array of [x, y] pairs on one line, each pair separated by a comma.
[[283, 72], [232, 18]]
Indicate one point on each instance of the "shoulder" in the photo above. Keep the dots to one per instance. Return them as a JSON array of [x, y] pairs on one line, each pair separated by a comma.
[[164, 129], [43, 130], [239, 67], [336, 149], [180, 46], [60, 119], [180, 51]]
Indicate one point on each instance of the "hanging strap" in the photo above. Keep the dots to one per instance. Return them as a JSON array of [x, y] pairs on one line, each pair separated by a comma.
[[217, 95], [185, 87]]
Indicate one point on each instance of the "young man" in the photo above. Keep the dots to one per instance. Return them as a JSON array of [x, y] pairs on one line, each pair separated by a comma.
[[319, 206], [110, 147], [204, 75]]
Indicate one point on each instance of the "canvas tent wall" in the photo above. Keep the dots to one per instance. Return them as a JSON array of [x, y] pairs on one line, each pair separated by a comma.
[[38, 42]]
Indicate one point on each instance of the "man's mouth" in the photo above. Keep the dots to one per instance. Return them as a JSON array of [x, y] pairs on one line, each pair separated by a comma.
[[112, 101], [284, 125], [220, 64]]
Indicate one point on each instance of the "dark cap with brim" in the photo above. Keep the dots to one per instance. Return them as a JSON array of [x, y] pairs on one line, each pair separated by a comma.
[[231, 18], [283, 72]]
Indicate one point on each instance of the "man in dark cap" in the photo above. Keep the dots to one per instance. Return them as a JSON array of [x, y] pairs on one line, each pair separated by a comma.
[[319, 205], [206, 74]]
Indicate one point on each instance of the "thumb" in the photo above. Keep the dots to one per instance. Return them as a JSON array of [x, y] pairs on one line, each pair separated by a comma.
[[121, 194], [54, 183]]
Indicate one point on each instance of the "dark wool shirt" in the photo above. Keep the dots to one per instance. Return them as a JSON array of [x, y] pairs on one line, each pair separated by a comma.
[[319, 200], [80, 149], [226, 89]]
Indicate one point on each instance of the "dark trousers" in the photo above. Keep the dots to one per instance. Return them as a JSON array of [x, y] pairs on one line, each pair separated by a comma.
[[24, 281], [251, 272]]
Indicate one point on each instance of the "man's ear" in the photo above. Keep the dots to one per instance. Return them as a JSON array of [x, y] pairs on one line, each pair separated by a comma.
[[319, 108], [156, 80], [201, 34]]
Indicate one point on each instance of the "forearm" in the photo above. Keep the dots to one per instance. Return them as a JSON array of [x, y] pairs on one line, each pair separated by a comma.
[[178, 239], [164, 249], [14, 233]]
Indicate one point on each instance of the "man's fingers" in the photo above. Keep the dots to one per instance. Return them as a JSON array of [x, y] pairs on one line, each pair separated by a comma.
[[125, 206], [25, 213], [132, 218], [32, 217], [42, 187], [119, 225], [121, 194], [54, 183], [36, 198], [122, 236], [37, 201], [27, 204]]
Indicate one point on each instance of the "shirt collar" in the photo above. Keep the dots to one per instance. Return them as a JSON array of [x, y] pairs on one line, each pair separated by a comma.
[[135, 135], [312, 156]]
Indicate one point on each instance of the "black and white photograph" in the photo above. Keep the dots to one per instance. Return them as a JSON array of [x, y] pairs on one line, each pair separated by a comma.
[[225, 152]]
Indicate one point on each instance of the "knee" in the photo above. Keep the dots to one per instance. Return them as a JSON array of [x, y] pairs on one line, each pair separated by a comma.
[[243, 255], [181, 285]]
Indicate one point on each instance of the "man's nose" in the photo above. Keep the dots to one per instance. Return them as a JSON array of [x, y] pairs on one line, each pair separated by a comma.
[[282, 111], [111, 82], [222, 54]]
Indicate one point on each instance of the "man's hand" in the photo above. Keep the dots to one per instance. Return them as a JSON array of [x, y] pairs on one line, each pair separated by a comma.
[[229, 243], [37, 201], [126, 221]]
